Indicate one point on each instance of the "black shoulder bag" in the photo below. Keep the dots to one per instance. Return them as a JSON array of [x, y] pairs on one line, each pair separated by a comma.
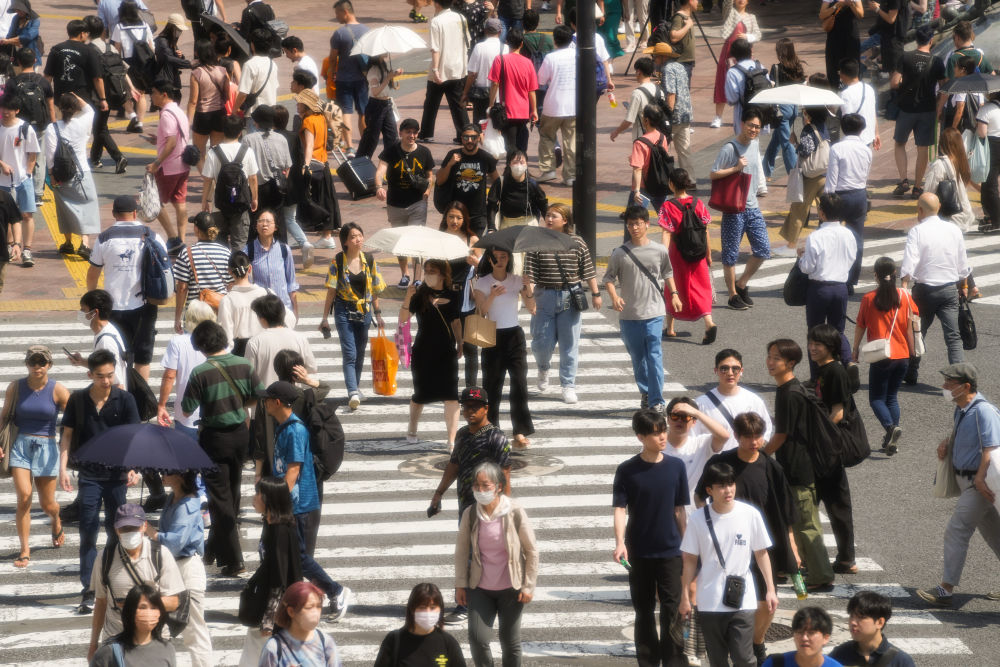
[[722, 408], [577, 298], [498, 112], [735, 587]]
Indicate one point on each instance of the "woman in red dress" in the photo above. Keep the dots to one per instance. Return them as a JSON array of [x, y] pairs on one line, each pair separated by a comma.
[[693, 279], [738, 23]]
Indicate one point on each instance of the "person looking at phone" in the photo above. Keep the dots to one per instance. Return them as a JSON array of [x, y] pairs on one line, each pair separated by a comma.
[[95, 312]]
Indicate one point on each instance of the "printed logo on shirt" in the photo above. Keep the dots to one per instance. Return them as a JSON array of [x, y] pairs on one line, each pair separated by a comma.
[[469, 176], [740, 542]]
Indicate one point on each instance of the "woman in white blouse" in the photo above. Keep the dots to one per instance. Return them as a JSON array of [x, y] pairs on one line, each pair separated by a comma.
[[129, 31], [77, 209]]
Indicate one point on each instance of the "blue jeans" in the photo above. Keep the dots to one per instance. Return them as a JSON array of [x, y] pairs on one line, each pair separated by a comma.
[[353, 342], [642, 342], [780, 138], [312, 570], [507, 24], [92, 493], [291, 225], [884, 380], [555, 321]]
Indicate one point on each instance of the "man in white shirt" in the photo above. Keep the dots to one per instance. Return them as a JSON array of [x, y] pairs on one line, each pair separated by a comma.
[[118, 254], [234, 227], [294, 50], [827, 259], [847, 175], [18, 152], [95, 313], [729, 399], [859, 98], [934, 261], [558, 72], [449, 46], [477, 82], [643, 95], [259, 80]]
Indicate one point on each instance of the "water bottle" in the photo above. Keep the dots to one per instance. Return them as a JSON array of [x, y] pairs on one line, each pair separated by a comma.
[[799, 584], [612, 100]]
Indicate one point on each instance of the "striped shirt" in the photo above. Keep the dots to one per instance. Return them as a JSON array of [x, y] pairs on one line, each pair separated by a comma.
[[274, 269], [541, 267], [211, 264], [209, 389]]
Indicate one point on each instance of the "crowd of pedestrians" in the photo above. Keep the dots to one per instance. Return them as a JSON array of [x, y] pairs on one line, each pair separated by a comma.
[[720, 479]]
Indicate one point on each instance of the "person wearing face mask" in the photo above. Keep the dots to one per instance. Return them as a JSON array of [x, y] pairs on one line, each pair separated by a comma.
[[974, 437], [518, 199], [95, 313], [422, 640], [499, 578], [297, 639], [140, 643], [127, 562]]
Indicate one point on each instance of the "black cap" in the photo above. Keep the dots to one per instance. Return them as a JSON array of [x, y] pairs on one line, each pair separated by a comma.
[[281, 390], [124, 204], [474, 394]]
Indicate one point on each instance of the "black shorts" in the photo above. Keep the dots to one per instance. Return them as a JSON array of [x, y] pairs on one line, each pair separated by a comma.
[[138, 328], [206, 122]]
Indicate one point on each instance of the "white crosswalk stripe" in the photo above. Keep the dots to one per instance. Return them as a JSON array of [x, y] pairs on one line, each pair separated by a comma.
[[376, 539]]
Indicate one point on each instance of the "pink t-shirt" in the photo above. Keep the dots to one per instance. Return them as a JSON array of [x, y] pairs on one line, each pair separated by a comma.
[[493, 553], [519, 80], [173, 123]]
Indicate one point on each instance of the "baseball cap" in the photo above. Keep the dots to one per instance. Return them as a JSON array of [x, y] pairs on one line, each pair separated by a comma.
[[124, 204], [281, 390], [177, 20], [962, 372], [38, 351], [129, 515], [493, 26], [474, 394]]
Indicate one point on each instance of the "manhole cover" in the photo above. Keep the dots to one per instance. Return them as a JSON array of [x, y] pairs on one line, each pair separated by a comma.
[[529, 464], [778, 632]]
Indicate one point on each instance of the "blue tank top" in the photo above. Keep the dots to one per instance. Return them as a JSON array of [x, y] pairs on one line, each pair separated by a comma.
[[36, 410]]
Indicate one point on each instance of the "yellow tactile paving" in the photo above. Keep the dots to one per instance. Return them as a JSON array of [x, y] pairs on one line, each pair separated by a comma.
[[75, 265]]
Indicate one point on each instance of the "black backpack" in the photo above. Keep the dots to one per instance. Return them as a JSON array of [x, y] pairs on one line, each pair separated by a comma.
[[232, 189], [143, 63], [691, 236], [833, 445], [658, 172], [34, 108], [326, 439], [64, 167], [657, 100], [115, 75], [754, 81]]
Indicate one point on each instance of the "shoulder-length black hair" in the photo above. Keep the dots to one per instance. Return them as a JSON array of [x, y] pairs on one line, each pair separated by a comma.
[[424, 595], [131, 605], [277, 500]]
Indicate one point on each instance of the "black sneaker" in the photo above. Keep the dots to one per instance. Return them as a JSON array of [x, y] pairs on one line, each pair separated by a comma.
[[736, 303], [901, 188], [338, 607], [891, 445], [134, 126], [911, 375], [70, 513], [643, 401], [67, 249], [86, 603], [122, 162], [457, 617], [853, 376], [233, 570], [760, 653], [744, 294], [174, 245]]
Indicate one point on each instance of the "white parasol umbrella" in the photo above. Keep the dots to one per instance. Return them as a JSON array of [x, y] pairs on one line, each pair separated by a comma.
[[388, 39], [422, 242], [799, 95]]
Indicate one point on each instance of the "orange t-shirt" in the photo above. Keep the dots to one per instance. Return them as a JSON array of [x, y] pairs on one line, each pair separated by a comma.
[[877, 322], [316, 124]]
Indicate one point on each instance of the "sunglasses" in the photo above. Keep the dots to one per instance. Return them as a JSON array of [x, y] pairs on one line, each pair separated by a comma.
[[730, 369], [675, 417]]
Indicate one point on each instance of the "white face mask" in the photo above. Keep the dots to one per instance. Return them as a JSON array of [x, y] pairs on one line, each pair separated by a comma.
[[518, 170], [484, 497], [426, 620], [84, 318], [949, 397], [434, 281], [131, 540]]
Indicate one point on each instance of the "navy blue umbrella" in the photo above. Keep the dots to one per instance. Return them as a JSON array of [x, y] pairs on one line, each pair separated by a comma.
[[147, 447]]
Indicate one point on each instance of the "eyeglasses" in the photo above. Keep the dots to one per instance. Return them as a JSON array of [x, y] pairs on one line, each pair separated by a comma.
[[675, 417], [469, 137], [636, 223], [37, 362], [753, 127], [730, 369]]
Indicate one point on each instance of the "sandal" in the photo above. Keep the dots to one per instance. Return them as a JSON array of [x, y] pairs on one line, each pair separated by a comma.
[[521, 441], [58, 539], [22, 561]]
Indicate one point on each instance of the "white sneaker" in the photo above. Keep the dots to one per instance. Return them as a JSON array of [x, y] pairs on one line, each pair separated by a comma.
[[569, 395], [568, 182], [621, 28], [543, 381], [716, 122], [293, 244], [326, 243], [354, 402], [546, 176], [307, 255], [546, 7], [784, 251]]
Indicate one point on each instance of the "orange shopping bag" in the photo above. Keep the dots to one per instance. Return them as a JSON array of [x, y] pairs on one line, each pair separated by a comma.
[[385, 361]]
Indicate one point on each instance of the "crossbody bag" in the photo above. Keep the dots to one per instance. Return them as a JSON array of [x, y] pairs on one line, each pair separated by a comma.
[[645, 271], [209, 296], [735, 587], [577, 298]]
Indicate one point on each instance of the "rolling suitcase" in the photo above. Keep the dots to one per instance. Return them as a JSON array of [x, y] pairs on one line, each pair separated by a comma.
[[358, 174]]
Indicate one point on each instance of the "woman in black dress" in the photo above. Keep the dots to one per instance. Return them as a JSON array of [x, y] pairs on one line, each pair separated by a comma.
[[456, 220], [436, 347], [842, 41]]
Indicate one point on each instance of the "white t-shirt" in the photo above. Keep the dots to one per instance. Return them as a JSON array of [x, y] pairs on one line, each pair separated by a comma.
[[229, 149], [990, 114], [128, 35], [743, 400], [181, 356], [76, 133], [503, 310], [740, 532], [558, 72], [695, 452], [483, 55], [860, 98], [254, 76], [450, 39], [637, 102], [14, 151], [309, 65], [121, 260], [106, 340]]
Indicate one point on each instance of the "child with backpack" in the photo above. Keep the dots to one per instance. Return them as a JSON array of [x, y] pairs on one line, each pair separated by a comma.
[[685, 220], [650, 161]]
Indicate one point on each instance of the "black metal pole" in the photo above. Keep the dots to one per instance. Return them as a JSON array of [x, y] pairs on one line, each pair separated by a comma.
[[585, 186]]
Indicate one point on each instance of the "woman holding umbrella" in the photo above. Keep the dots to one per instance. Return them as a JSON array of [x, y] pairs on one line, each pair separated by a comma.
[[33, 403], [378, 114], [456, 221]]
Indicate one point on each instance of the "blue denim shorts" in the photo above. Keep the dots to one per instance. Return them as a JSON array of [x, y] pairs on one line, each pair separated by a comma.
[[352, 95], [24, 194], [37, 453]]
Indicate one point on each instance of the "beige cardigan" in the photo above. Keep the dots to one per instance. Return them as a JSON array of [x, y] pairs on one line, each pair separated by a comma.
[[522, 554]]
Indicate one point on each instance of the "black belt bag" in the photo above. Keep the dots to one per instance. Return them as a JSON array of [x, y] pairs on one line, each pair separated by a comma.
[[735, 587]]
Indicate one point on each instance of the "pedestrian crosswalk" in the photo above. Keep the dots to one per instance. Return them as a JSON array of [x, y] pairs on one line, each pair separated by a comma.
[[375, 536]]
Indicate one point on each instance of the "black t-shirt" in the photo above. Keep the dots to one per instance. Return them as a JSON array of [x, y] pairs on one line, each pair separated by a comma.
[[751, 478], [438, 648], [897, 29], [73, 67], [510, 9], [398, 192], [118, 409], [791, 418], [469, 178], [832, 385], [651, 492], [921, 72]]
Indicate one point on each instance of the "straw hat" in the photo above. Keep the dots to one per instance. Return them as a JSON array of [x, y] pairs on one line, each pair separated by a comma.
[[661, 49], [310, 99]]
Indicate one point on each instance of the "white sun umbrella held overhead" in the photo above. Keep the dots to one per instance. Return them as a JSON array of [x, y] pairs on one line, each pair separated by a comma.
[[799, 95], [387, 39], [422, 242]]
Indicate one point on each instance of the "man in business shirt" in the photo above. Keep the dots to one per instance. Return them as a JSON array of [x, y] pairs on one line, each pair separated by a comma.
[[827, 258], [847, 176], [859, 98], [934, 261], [975, 436]]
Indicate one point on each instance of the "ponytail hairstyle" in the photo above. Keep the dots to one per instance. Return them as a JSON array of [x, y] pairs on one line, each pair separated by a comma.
[[886, 294], [789, 60], [239, 264], [655, 118], [680, 181]]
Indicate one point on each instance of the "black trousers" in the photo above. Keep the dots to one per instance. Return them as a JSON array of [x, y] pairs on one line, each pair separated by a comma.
[[471, 355], [515, 136], [991, 188], [648, 580], [102, 138], [835, 493], [227, 448], [452, 90], [378, 119], [508, 356]]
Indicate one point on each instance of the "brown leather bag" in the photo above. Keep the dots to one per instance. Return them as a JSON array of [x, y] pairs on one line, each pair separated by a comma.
[[209, 296], [830, 20]]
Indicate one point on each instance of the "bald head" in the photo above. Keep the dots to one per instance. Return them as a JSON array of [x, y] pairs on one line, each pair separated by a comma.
[[927, 205]]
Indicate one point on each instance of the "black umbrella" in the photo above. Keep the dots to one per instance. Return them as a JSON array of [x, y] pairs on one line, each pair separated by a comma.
[[215, 24], [973, 83], [143, 447], [527, 238]]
